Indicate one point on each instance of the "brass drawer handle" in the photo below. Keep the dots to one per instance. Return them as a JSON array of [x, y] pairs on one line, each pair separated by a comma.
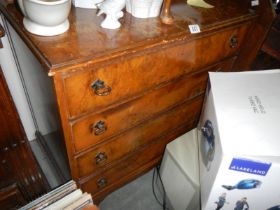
[[100, 158], [233, 42], [100, 88], [102, 182], [98, 128]]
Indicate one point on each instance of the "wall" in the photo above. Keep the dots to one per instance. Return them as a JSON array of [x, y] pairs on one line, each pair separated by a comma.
[[11, 74], [29, 84]]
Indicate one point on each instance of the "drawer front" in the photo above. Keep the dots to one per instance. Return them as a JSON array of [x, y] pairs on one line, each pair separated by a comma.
[[94, 89], [88, 132], [186, 113], [96, 128], [136, 163]]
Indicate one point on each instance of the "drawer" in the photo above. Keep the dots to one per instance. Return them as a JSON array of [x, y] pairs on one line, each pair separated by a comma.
[[97, 88], [120, 146], [139, 161], [94, 129]]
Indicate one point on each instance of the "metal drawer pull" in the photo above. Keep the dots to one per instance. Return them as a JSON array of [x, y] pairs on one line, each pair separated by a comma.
[[99, 127], [102, 182], [100, 158], [233, 41], [100, 88]]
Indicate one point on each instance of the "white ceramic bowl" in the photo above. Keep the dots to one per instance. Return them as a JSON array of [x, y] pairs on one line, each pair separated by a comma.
[[46, 17]]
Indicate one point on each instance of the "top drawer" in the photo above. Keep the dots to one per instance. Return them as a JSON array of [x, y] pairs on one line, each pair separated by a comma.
[[130, 77]]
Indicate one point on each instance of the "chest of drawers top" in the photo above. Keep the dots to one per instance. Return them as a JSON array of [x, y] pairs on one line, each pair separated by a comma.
[[86, 42]]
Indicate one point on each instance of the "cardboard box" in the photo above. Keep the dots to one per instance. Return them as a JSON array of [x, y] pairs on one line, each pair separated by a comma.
[[239, 144], [180, 173]]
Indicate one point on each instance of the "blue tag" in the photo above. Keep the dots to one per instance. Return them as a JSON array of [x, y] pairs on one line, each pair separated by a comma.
[[249, 166]]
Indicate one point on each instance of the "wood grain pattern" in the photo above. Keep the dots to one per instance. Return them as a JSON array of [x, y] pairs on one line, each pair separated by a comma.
[[142, 108], [131, 140], [142, 160], [143, 73], [86, 41], [156, 73], [134, 112]]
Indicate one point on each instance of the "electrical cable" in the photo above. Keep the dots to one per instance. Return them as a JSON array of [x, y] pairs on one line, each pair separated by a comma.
[[153, 183], [163, 189], [163, 204]]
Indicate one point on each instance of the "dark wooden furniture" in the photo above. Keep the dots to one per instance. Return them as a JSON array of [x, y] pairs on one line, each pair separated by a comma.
[[21, 179], [271, 45], [124, 94]]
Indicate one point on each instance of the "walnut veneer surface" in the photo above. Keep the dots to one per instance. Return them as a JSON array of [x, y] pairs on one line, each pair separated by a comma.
[[149, 80]]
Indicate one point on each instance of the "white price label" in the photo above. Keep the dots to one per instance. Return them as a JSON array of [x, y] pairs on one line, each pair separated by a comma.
[[194, 29], [255, 3]]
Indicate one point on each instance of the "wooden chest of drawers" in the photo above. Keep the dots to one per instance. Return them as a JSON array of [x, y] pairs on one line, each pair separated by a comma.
[[124, 94]]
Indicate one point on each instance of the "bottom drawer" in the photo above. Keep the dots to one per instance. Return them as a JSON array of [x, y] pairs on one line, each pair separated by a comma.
[[137, 162]]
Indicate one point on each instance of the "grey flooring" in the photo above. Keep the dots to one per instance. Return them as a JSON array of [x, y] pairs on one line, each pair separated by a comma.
[[137, 195], [54, 143]]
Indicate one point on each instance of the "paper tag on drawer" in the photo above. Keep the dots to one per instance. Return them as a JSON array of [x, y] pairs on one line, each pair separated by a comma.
[[194, 29], [255, 3]]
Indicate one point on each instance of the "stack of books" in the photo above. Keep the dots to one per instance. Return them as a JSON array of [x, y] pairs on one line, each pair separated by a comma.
[[66, 197]]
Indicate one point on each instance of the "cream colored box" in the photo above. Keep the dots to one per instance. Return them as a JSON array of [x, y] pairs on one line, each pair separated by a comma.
[[179, 172]]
